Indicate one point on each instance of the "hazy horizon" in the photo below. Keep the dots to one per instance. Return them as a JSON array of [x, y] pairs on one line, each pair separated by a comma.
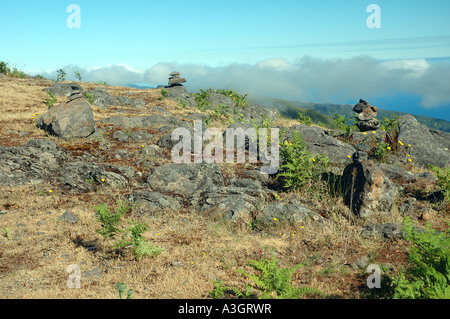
[[324, 52]]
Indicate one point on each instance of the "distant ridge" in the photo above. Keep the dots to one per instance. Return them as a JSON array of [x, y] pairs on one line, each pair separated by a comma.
[[290, 108]]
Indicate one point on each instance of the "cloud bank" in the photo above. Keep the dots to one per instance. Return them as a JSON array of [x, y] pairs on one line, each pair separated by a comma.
[[308, 79]]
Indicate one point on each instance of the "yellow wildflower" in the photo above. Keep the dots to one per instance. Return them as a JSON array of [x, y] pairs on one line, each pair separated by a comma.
[[349, 156], [389, 148]]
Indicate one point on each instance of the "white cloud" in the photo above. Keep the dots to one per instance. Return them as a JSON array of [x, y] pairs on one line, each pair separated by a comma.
[[310, 79]]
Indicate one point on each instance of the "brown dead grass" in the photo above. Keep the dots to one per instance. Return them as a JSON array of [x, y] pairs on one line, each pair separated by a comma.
[[34, 260]]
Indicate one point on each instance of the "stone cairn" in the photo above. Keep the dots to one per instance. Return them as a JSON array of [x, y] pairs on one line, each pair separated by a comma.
[[367, 116], [175, 79]]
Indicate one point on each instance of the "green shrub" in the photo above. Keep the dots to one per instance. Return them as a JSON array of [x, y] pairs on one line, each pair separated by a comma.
[[298, 166], [60, 75], [428, 276], [51, 100], [164, 94], [109, 221], [133, 237], [390, 126], [122, 288], [304, 119], [443, 175], [15, 72], [270, 282], [4, 68], [381, 151], [341, 123], [90, 97], [77, 75]]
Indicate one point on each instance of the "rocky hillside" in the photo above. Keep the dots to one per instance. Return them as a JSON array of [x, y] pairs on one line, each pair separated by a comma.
[[66, 148]]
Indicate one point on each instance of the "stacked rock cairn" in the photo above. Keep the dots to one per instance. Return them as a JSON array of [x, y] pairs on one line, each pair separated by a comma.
[[175, 79], [367, 116]]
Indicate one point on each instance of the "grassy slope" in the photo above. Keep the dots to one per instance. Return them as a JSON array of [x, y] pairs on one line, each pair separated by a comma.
[[34, 260]]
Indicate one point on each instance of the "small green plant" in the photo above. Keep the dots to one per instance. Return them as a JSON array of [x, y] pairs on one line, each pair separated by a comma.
[[201, 99], [4, 68], [60, 75], [341, 123], [77, 75], [443, 175], [273, 282], [298, 167], [304, 119], [164, 94], [381, 151], [15, 72], [133, 237], [428, 276], [104, 83], [182, 104], [219, 290], [390, 126], [109, 221], [122, 288], [220, 111], [51, 100], [89, 97], [7, 232], [238, 99]]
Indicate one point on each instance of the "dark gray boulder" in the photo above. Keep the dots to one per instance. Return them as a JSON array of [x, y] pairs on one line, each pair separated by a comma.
[[147, 202], [382, 231], [126, 101], [292, 212], [229, 203], [152, 121], [73, 119], [427, 147], [184, 179], [369, 125], [367, 191], [318, 141], [36, 162], [102, 98], [178, 93], [64, 89]]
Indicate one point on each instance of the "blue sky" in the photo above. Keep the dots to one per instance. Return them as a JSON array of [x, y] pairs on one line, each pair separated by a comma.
[[137, 41]]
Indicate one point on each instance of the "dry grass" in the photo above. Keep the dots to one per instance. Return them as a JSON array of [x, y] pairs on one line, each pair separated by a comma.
[[197, 250]]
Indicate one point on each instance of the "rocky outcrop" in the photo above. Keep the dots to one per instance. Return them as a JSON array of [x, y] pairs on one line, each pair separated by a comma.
[[367, 190], [73, 119], [427, 147], [64, 89], [318, 141], [184, 179], [36, 162], [292, 212], [146, 202]]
